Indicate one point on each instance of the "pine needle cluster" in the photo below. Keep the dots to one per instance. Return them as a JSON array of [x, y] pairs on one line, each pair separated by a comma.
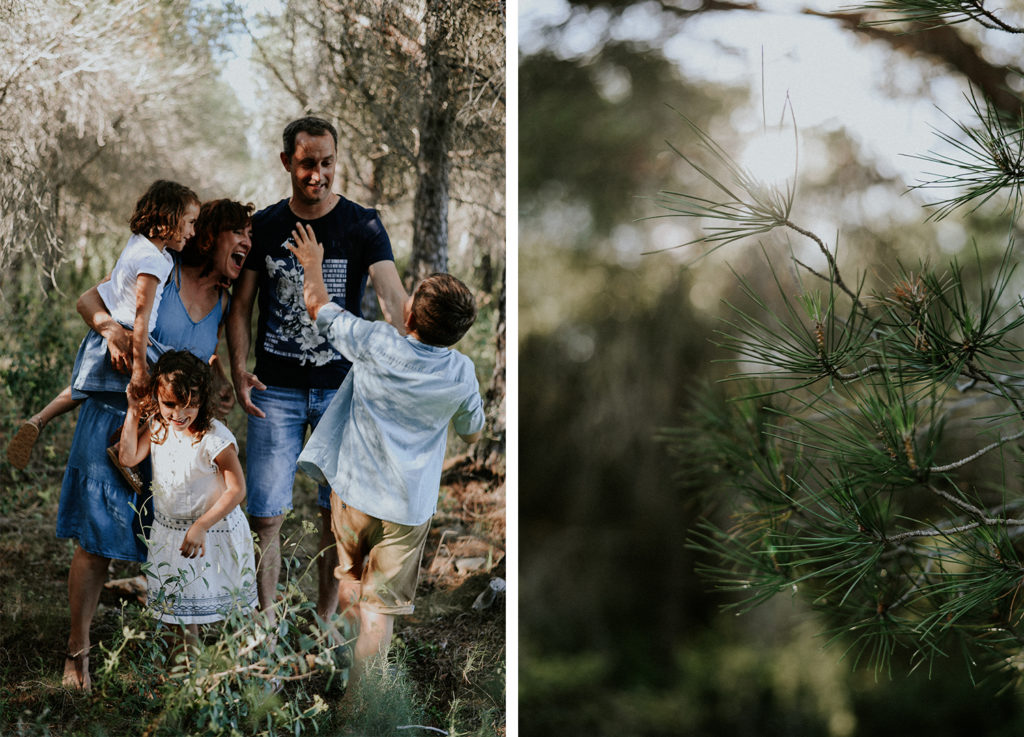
[[872, 456]]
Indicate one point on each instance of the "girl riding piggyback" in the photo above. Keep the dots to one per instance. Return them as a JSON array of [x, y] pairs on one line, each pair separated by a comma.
[[164, 218]]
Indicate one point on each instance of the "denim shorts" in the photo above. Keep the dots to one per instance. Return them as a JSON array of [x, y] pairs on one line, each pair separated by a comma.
[[273, 444]]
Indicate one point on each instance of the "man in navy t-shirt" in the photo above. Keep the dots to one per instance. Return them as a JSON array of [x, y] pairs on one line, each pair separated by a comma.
[[297, 371]]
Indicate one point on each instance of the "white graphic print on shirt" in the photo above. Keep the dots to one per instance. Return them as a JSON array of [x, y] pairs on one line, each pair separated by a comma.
[[290, 332]]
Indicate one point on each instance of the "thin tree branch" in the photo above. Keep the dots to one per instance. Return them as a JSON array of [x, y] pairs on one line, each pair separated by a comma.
[[989, 19], [976, 455], [833, 267], [946, 531]]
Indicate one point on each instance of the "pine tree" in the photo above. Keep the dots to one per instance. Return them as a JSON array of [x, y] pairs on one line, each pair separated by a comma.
[[875, 445]]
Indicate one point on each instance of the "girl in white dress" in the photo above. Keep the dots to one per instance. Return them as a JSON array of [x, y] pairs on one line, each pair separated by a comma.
[[201, 563]]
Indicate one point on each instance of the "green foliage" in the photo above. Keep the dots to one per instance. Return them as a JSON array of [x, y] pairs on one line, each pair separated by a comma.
[[849, 456], [722, 684], [939, 12], [591, 392], [987, 159], [583, 142], [245, 677], [36, 363], [382, 700], [36, 357]]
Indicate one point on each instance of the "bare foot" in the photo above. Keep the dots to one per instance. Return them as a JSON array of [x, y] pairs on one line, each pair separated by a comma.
[[19, 449], [76, 671]]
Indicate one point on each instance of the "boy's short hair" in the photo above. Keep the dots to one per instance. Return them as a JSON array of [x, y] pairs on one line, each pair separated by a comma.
[[443, 309], [159, 211], [313, 126]]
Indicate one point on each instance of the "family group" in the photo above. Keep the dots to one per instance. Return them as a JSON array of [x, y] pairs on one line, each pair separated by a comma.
[[154, 475]]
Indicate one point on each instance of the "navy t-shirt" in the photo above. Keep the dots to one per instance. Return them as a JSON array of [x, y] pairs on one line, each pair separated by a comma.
[[289, 350]]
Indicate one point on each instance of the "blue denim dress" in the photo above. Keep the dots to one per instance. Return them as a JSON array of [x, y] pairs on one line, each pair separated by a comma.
[[97, 508]]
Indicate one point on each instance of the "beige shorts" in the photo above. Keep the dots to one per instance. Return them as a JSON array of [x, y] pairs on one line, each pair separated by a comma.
[[383, 557]]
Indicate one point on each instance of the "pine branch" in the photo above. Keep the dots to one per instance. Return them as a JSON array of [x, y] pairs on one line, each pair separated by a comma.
[[938, 12], [986, 160], [977, 454]]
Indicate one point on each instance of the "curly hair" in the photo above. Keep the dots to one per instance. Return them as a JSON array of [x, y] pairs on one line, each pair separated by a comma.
[[159, 211], [443, 309], [190, 381], [215, 217]]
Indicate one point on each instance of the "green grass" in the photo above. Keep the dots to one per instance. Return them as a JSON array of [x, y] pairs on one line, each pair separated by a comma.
[[446, 669]]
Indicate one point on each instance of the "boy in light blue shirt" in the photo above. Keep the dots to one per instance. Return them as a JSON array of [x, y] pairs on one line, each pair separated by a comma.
[[380, 444]]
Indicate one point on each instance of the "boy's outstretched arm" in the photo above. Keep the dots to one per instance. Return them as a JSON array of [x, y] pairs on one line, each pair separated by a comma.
[[311, 255]]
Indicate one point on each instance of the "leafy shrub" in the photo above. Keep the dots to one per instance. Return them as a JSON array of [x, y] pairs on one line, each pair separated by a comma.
[[246, 676]]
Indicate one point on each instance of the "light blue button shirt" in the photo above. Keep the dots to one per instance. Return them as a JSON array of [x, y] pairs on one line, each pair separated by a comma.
[[380, 444]]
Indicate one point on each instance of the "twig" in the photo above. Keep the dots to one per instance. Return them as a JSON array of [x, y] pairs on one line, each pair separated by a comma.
[[988, 19], [833, 267], [943, 532], [860, 374], [976, 455]]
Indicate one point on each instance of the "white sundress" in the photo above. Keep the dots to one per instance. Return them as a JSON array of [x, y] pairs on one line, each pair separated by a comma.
[[186, 483]]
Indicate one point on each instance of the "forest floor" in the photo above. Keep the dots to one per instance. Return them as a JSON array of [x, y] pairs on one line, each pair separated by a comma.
[[453, 654]]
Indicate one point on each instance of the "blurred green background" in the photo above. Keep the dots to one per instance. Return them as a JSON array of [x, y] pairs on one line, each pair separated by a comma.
[[617, 634]]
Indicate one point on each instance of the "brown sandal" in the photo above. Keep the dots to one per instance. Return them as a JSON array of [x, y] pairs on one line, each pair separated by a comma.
[[19, 450], [78, 679]]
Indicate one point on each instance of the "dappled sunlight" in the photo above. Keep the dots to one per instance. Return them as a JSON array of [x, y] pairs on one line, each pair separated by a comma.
[[843, 455]]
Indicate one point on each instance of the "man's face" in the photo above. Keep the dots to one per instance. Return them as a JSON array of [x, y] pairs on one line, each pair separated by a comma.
[[312, 167]]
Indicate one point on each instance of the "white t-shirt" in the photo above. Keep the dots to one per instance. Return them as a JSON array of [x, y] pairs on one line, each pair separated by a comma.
[[139, 256]]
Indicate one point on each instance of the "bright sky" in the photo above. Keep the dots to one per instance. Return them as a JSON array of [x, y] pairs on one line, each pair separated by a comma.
[[238, 68], [886, 101], [238, 71], [831, 77]]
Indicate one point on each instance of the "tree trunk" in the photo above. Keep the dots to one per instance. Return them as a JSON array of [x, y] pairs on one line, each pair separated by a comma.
[[489, 453], [369, 304], [430, 207]]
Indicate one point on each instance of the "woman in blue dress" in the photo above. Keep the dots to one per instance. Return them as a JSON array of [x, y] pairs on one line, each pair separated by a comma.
[[98, 509]]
